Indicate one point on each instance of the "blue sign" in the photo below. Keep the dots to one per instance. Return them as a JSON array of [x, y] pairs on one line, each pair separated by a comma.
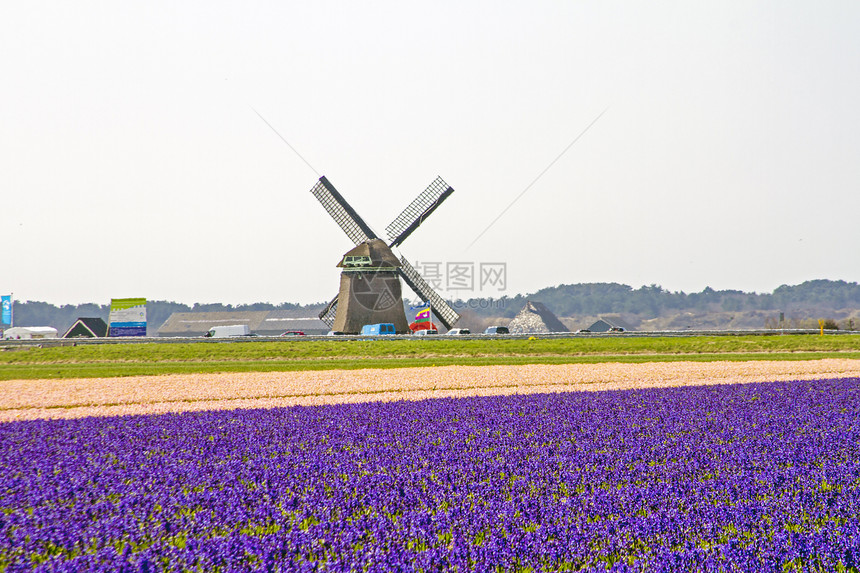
[[6, 316], [128, 329]]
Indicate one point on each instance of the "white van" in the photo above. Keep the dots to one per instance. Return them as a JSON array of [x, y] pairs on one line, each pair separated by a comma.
[[459, 331], [228, 331]]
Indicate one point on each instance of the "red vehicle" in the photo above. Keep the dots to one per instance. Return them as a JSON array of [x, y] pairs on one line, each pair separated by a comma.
[[293, 333]]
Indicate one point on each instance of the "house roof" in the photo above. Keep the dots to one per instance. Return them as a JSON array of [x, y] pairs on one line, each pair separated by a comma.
[[87, 326], [606, 324], [263, 322], [283, 320], [34, 329], [198, 323], [536, 317]]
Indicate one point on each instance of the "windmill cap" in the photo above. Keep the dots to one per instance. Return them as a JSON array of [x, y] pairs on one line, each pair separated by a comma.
[[370, 254]]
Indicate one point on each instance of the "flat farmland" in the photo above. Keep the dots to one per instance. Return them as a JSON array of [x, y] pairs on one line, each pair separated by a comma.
[[75, 398], [723, 454], [727, 477], [121, 360], [147, 378]]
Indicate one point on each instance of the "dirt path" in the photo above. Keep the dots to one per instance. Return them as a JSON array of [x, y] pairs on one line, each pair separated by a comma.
[[34, 399]]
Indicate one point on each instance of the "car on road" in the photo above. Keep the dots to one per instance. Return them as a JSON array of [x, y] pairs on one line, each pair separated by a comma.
[[228, 331], [293, 333], [425, 332], [458, 331], [497, 330], [382, 328]]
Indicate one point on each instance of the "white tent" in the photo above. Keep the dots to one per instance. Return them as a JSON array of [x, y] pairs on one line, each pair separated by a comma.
[[28, 332]]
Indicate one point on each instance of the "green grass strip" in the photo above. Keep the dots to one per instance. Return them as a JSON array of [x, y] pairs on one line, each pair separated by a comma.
[[249, 349], [25, 371]]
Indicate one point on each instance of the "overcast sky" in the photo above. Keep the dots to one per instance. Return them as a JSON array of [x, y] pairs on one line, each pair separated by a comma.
[[132, 162]]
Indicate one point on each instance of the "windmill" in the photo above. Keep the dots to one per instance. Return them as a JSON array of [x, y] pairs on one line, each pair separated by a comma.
[[370, 280]]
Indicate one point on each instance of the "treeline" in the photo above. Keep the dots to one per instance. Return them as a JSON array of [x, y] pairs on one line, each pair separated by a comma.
[[32, 313], [654, 300], [563, 300]]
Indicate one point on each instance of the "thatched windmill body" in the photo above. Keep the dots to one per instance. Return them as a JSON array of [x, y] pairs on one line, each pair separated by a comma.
[[370, 289]]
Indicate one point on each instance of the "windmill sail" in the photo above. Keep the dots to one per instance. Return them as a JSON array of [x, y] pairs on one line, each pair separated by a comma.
[[417, 211], [399, 229], [341, 211], [446, 315], [329, 313]]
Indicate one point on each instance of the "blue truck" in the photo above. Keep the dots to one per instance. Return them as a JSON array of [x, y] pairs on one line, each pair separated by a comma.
[[378, 329]]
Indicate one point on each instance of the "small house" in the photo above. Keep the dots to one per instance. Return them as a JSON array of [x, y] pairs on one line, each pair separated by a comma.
[[609, 325], [91, 327]]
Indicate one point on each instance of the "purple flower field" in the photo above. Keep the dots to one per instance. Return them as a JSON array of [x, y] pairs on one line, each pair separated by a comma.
[[756, 477]]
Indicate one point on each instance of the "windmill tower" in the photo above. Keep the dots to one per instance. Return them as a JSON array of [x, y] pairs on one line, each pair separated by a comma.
[[370, 289]]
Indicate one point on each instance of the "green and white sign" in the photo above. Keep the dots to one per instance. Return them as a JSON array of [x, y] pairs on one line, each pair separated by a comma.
[[127, 317]]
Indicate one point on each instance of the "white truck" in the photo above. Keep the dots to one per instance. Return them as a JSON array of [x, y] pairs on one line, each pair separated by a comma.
[[228, 331]]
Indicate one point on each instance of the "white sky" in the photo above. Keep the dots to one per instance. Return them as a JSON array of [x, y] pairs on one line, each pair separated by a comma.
[[132, 163]]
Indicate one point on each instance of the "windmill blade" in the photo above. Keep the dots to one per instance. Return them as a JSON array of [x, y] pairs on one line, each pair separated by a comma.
[[341, 211], [329, 312], [417, 211], [446, 315]]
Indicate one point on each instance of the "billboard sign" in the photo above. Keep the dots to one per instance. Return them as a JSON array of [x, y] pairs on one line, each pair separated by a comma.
[[6, 313], [127, 317]]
